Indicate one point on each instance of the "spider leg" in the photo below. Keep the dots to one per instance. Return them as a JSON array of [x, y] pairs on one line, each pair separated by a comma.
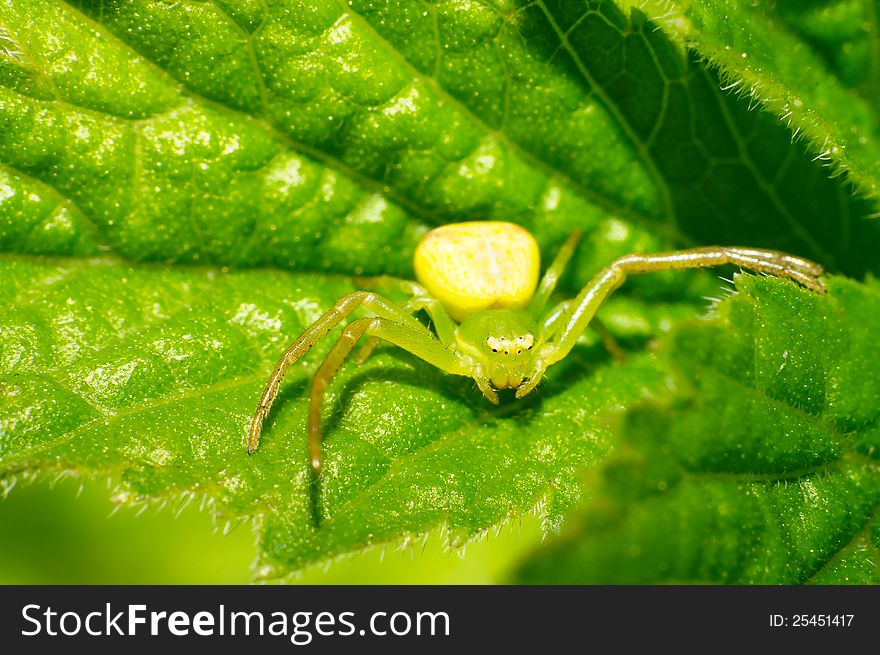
[[343, 307], [552, 274], [421, 299], [553, 323], [584, 306], [486, 389], [417, 340], [804, 265]]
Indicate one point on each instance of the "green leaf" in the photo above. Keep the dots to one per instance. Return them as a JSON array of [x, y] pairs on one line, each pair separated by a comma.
[[185, 186], [813, 64], [221, 123], [760, 467], [159, 385]]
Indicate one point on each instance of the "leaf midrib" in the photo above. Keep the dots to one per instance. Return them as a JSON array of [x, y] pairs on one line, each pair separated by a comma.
[[863, 534]]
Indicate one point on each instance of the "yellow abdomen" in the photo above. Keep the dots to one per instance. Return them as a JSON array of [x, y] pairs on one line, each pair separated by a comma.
[[470, 267]]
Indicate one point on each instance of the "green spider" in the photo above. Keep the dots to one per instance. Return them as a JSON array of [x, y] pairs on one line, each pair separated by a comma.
[[478, 282]]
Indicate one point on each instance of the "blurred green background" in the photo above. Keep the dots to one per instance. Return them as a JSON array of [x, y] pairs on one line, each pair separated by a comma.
[[64, 533]]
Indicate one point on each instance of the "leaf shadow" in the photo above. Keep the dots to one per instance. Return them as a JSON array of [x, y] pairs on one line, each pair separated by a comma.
[[290, 393], [624, 57], [583, 361], [407, 370]]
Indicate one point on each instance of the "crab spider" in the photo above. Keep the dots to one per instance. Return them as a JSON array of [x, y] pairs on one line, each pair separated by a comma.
[[479, 284]]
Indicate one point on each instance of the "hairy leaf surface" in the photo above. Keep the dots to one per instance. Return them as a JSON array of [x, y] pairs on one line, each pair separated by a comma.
[[763, 466]]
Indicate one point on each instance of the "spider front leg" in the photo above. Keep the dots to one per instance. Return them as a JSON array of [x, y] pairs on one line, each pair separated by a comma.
[[553, 322], [342, 309], [417, 340], [421, 299], [575, 318]]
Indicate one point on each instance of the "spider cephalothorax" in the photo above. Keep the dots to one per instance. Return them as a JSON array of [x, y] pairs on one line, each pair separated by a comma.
[[502, 343], [478, 282]]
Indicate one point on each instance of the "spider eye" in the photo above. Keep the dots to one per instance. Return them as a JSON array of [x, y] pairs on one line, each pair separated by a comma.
[[494, 350], [526, 341]]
